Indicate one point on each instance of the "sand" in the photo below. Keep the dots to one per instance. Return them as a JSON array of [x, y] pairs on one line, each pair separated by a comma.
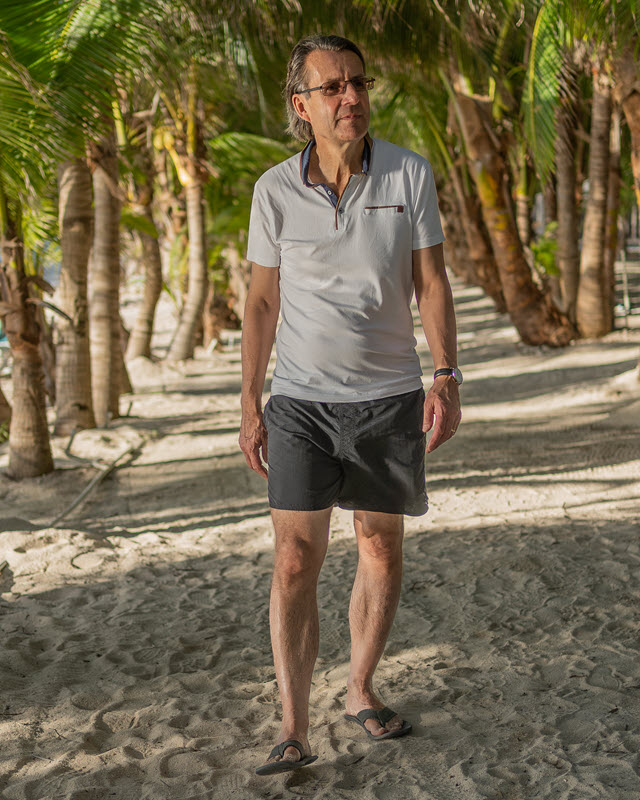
[[135, 660]]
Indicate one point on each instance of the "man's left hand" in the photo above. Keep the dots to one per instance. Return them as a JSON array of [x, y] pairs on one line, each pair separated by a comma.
[[441, 411]]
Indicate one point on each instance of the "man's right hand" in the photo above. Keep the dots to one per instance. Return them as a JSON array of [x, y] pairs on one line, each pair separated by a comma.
[[253, 442]]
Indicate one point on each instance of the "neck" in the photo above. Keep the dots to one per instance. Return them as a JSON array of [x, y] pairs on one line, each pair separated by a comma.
[[333, 164]]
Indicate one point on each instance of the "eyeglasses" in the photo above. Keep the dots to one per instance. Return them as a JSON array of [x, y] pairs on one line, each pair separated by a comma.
[[332, 88]]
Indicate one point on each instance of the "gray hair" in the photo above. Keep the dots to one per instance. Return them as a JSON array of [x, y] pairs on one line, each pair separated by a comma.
[[297, 75]]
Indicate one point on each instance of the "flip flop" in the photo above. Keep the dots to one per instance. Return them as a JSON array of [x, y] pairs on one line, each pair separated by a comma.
[[285, 765], [382, 715]]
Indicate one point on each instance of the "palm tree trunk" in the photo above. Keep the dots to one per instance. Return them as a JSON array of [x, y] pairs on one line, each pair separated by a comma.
[[482, 262], [535, 318], [550, 202], [523, 210], [105, 281], [613, 210], [48, 353], [5, 408], [74, 404], [120, 346], [592, 308], [183, 344], [140, 340], [29, 445], [627, 94], [567, 205], [551, 215]]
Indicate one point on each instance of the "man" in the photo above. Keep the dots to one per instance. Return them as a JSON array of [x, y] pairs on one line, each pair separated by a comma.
[[340, 237]]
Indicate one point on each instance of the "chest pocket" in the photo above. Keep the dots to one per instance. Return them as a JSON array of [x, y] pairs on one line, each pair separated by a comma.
[[378, 211]]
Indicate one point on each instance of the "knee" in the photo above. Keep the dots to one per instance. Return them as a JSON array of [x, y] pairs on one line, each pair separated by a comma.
[[380, 540], [384, 550], [297, 562]]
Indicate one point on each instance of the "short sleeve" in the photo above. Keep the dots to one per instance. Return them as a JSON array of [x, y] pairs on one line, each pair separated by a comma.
[[427, 229], [262, 246]]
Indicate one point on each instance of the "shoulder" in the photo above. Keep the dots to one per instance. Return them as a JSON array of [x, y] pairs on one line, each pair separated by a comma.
[[391, 157], [279, 176]]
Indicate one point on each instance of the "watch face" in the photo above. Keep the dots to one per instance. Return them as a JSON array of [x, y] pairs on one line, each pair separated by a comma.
[[457, 375]]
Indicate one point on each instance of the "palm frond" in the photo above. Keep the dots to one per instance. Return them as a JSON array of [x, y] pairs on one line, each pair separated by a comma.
[[541, 94]]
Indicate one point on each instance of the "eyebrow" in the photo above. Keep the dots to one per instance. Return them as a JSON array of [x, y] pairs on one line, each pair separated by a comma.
[[359, 75]]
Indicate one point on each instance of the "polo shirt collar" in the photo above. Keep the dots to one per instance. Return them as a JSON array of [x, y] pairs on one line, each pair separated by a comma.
[[305, 158]]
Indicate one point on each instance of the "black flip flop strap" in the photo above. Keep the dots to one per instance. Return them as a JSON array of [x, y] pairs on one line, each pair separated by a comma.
[[382, 715], [385, 714], [279, 749]]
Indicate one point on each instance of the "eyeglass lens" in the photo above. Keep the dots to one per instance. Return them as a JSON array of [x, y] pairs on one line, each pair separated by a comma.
[[331, 88]]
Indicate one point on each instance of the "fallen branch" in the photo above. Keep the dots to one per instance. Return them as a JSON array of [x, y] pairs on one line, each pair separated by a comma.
[[93, 483]]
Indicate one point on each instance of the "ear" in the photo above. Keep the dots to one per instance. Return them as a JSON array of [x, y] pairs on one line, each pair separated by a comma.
[[299, 106]]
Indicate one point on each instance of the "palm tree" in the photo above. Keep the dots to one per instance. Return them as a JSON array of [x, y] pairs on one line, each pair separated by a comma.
[[139, 150], [105, 282], [474, 57], [5, 408], [74, 404], [192, 176], [593, 34], [626, 76], [54, 95], [566, 181], [21, 148], [29, 448], [592, 310], [536, 319]]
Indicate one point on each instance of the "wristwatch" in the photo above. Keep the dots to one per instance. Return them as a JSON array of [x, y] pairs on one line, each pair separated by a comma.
[[452, 372]]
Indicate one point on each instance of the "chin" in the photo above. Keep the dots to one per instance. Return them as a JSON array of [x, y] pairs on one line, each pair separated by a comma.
[[354, 131]]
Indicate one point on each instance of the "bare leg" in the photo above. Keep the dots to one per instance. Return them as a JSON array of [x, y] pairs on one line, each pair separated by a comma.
[[374, 600], [301, 545]]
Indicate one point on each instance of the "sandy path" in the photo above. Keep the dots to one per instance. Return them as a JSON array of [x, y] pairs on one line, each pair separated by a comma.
[[136, 660]]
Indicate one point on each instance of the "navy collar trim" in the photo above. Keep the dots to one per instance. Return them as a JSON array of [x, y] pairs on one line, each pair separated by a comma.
[[305, 159]]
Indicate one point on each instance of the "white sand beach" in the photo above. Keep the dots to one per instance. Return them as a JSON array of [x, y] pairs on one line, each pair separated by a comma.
[[135, 660]]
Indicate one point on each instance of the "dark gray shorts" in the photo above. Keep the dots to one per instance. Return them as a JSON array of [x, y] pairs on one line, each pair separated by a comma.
[[367, 455]]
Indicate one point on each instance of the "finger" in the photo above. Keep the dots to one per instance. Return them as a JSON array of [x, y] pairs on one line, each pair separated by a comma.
[[257, 465], [428, 416], [441, 432], [245, 452]]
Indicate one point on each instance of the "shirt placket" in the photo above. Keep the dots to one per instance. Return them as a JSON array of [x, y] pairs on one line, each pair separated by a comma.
[[339, 211]]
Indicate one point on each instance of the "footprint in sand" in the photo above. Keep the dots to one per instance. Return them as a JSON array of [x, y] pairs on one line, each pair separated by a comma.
[[184, 764], [89, 701]]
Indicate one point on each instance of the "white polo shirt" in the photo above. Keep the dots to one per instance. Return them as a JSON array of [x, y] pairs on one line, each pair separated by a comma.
[[346, 280]]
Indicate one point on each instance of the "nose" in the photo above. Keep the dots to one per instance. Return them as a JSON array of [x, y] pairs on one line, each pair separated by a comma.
[[350, 95]]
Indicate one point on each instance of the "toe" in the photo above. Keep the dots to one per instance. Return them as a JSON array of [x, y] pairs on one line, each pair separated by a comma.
[[291, 754], [394, 724], [374, 727]]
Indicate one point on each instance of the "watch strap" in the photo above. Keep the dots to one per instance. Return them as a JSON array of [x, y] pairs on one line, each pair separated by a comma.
[[444, 371], [450, 372]]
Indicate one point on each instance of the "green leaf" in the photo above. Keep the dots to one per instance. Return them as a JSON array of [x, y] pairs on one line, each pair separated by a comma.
[[138, 222]]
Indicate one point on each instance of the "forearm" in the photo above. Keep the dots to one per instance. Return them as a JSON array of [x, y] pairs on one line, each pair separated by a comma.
[[435, 304], [258, 334], [438, 318]]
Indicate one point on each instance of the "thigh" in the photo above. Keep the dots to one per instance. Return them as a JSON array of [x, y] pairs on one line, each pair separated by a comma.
[[384, 471], [304, 473], [301, 537]]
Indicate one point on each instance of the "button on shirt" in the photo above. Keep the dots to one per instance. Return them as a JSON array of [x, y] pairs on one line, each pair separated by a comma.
[[346, 281]]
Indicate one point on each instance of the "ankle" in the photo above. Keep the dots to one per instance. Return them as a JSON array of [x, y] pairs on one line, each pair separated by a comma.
[[359, 686]]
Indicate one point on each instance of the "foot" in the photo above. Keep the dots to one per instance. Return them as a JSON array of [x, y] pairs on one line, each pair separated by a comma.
[[291, 753], [357, 700]]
